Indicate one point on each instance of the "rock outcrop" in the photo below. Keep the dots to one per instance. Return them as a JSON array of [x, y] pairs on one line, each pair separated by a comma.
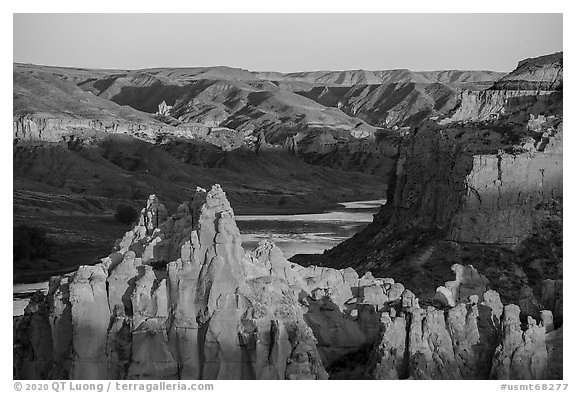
[[473, 338], [481, 186], [173, 302], [164, 109], [488, 173], [488, 105], [533, 85], [522, 354], [180, 298], [41, 127], [468, 282], [504, 188], [540, 73]]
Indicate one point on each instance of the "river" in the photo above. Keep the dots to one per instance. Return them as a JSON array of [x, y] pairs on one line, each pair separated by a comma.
[[293, 234]]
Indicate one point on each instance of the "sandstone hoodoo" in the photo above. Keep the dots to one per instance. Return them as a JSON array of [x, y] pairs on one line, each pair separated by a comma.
[[180, 298]]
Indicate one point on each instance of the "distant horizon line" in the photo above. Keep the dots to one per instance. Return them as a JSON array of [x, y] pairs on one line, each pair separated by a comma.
[[254, 71]]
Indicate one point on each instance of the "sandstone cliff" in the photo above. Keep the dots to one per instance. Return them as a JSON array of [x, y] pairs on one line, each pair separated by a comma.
[[531, 86], [540, 73], [466, 193], [489, 105], [504, 189], [47, 128]]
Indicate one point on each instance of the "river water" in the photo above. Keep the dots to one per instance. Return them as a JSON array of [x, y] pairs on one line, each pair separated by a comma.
[[293, 234]]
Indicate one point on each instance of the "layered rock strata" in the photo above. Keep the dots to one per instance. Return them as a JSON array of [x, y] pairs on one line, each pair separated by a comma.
[[487, 105], [47, 128], [503, 191], [540, 73]]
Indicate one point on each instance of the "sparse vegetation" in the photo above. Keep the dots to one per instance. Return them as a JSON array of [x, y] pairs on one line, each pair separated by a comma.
[[283, 200], [30, 243], [125, 214]]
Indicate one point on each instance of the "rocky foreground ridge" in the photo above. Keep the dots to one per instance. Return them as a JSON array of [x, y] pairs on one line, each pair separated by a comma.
[[180, 298]]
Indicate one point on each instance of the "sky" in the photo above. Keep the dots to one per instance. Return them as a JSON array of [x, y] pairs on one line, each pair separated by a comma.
[[286, 42]]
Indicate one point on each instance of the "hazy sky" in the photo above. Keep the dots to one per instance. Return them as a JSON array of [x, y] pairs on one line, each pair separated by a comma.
[[286, 42]]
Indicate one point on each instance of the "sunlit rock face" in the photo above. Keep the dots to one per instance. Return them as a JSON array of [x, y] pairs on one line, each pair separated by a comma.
[[179, 298], [531, 84], [471, 184], [472, 336], [540, 73], [174, 301], [467, 283], [43, 127], [504, 191], [486, 105]]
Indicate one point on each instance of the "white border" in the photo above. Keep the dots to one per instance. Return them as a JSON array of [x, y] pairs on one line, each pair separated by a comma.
[[303, 6]]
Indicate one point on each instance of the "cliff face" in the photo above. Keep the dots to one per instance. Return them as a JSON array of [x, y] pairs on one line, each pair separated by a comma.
[[540, 73], [483, 184], [46, 128], [489, 105], [504, 190], [467, 193], [530, 86], [180, 298]]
